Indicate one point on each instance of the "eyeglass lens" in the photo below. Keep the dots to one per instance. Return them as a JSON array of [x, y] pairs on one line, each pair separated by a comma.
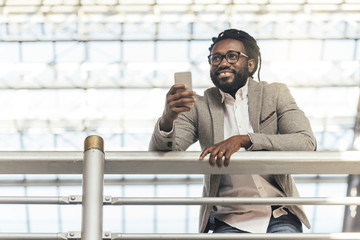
[[231, 57]]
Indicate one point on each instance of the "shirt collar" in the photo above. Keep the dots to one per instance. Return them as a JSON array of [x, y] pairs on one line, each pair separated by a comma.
[[240, 94]]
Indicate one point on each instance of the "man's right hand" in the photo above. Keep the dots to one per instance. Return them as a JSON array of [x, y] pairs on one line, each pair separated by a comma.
[[176, 100]]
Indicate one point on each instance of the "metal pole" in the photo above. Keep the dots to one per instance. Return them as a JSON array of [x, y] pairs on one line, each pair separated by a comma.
[[93, 186], [351, 221]]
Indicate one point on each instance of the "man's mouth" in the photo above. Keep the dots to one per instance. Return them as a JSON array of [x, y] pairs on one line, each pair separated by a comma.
[[224, 74]]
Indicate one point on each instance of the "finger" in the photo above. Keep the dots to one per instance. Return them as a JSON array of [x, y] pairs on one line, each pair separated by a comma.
[[188, 93], [184, 95], [204, 153], [227, 159], [180, 98], [179, 109], [180, 105], [180, 86], [181, 91], [174, 88], [212, 159], [174, 92], [219, 159], [184, 100]]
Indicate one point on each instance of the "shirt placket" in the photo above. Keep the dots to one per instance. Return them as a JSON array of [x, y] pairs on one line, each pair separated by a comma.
[[239, 116]]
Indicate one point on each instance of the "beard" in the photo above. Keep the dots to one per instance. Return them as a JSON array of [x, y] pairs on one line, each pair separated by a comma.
[[240, 79]]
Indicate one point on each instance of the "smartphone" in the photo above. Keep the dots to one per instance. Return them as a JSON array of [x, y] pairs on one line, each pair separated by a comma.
[[184, 78]]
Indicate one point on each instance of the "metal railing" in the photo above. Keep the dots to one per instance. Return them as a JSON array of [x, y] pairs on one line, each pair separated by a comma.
[[93, 164]]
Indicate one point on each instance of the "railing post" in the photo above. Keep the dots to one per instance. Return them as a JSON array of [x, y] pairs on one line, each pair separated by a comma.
[[93, 186]]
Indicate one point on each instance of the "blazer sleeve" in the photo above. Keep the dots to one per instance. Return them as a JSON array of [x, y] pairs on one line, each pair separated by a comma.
[[160, 142], [284, 126], [183, 135]]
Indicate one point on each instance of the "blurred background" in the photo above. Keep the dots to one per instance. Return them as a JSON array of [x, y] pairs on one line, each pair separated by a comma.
[[71, 68]]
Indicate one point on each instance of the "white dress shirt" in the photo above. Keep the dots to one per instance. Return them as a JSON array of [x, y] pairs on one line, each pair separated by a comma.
[[250, 218]]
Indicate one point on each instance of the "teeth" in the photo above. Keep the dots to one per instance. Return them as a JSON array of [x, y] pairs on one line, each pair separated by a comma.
[[225, 73]]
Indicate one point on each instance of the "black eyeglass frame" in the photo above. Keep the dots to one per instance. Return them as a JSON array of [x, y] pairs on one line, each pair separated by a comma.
[[225, 56]]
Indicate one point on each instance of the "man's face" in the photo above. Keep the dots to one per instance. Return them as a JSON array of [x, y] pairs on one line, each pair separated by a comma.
[[229, 77]]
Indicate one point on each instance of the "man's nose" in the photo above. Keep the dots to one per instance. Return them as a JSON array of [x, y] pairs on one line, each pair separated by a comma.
[[224, 62]]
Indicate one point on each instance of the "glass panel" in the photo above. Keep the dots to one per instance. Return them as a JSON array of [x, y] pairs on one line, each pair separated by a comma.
[[72, 71], [42, 52], [339, 50]]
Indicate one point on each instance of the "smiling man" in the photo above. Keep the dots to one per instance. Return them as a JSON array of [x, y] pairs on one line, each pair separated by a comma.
[[238, 114]]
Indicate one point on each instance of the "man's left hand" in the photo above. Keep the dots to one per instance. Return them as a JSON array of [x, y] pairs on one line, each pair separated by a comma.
[[225, 149]]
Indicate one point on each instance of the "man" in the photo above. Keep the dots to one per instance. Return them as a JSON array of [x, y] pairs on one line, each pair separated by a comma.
[[238, 114]]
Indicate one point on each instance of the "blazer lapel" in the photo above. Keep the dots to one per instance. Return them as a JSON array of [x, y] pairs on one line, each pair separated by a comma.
[[216, 109], [254, 101]]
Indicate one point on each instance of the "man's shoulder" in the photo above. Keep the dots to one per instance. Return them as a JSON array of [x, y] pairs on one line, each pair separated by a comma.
[[266, 84], [211, 91], [211, 96], [267, 87]]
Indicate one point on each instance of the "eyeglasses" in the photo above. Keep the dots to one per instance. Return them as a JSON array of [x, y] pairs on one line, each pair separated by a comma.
[[231, 57]]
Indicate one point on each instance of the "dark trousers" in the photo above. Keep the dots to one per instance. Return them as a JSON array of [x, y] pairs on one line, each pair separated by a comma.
[[289, 223]]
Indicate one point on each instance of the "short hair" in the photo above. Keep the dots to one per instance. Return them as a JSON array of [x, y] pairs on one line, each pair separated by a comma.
[[250, 44]]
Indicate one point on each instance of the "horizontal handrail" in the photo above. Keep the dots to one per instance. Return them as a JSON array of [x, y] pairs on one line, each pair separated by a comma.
[[108, 200], [262, 162], [33, 236], [34, 200], [41, 162], [252, 236], [185, 236], [242, 201], [180, 180]]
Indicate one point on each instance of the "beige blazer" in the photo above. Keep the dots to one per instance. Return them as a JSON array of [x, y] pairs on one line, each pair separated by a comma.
[[278, 123]]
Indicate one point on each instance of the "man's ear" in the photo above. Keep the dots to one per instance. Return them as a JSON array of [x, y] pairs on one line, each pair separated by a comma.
[[251, 65]]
